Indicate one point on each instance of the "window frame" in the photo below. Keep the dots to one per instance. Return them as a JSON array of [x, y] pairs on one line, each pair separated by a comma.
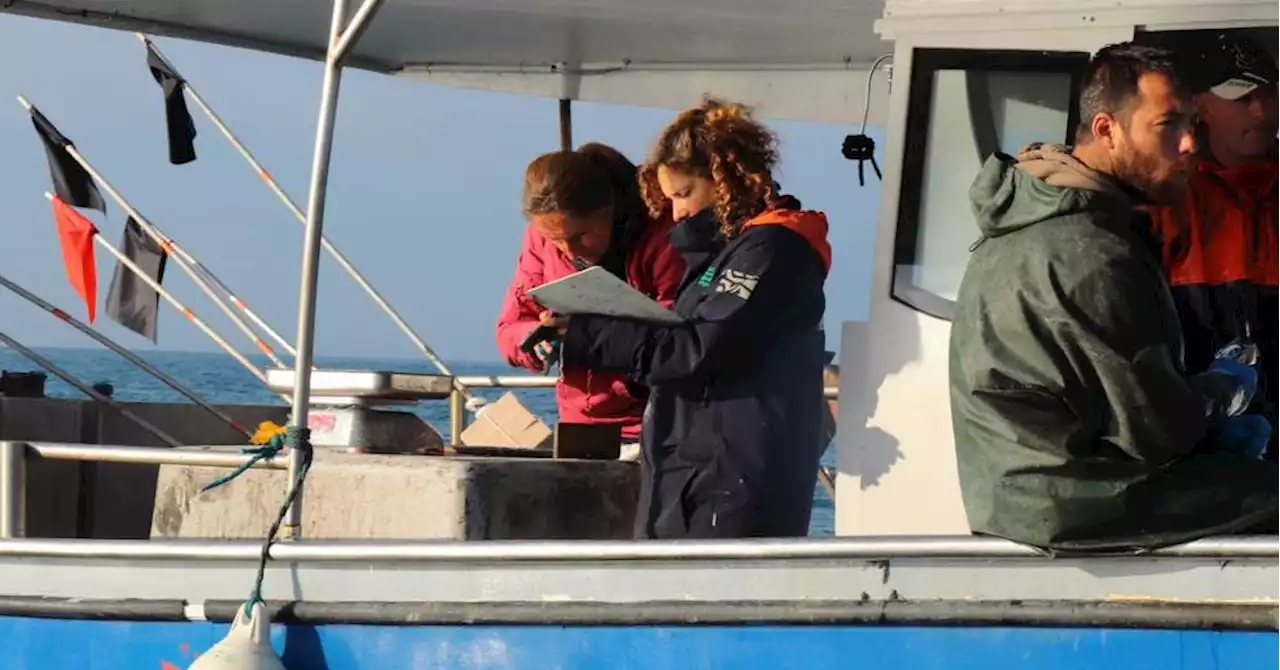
[[924, 64]]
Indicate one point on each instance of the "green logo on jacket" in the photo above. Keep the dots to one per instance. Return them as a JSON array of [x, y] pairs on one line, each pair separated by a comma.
[[707, 277]]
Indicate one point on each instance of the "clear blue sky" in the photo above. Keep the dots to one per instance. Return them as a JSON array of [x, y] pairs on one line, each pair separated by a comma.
[[423, 195]]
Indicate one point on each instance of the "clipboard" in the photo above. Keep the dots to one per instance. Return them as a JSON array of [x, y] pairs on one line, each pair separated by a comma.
[[598, 291]]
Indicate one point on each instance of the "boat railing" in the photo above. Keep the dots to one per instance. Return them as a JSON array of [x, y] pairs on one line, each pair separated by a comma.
[[14, 455], [457, 399]]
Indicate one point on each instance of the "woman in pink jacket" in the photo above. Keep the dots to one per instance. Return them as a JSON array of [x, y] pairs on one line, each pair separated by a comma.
[[584, 208]]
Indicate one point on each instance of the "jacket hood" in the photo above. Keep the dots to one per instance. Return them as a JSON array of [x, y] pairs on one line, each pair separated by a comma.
[[810, 225], [698, 237], [1045, 181]]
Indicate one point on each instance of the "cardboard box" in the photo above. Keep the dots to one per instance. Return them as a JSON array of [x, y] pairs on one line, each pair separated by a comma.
[[507, 423]]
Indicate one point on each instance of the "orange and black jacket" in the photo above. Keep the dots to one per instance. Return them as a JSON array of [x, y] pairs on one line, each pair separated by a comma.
[[733, 430], [1220, 248]]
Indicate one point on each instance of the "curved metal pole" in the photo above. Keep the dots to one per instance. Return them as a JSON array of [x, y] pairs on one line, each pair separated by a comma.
[[340, 40], [124, 353]]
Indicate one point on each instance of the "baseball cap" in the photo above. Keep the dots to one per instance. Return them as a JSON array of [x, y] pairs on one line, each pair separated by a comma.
[[1235, 66]]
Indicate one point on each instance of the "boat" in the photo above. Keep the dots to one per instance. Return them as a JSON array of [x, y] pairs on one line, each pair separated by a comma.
[[902, 585]]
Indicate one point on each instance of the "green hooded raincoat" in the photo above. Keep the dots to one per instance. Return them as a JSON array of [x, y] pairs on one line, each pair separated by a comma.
[[1075, 425]]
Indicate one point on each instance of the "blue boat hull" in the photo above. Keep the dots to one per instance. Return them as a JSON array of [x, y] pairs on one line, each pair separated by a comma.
[[34, 643]]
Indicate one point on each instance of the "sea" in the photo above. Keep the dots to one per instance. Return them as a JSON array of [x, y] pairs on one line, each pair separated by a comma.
[[221, 380]]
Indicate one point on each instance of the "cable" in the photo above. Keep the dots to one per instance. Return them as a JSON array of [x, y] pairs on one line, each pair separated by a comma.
[[861, 147]]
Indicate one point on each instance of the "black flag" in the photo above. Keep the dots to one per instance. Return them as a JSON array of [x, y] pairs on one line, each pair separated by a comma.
[[70, 181], [182, 130], [130, 301]]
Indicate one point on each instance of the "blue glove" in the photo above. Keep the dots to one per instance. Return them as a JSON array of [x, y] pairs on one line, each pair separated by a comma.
[[1245, 380], [1244, 435], [1241, 352]]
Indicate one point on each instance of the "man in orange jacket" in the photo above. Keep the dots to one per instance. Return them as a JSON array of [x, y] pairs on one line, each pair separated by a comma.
[[1220, 241]]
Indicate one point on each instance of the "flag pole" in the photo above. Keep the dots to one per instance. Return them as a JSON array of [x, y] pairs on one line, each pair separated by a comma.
[[198, 273], [328, 246], [125, 353], [191, 316], [189, 264], [253, 316], [261, 323], [87, 390]]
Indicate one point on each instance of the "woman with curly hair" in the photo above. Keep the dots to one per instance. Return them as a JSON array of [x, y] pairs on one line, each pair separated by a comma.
[[732, 433], [584, 208]]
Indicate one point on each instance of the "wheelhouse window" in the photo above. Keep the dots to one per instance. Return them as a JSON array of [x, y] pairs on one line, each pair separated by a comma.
[[965, 105]]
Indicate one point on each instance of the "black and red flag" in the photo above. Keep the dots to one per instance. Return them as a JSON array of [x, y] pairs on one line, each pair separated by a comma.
[[178, 123], [73, 188], [131, 302]]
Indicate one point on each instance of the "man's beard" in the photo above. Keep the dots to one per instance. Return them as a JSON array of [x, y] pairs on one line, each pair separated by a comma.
[[1140, 174]]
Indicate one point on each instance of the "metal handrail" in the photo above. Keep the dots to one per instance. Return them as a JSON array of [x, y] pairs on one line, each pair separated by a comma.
[[14, 453], [526, 551], [212, 456], [507, 551], [13, 457]]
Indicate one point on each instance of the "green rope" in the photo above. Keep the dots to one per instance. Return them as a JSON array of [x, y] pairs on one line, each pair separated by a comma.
[[269, 450], [297, 438]]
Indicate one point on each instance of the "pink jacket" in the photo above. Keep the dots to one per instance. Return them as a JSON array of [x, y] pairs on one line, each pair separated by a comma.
[[654, 266]]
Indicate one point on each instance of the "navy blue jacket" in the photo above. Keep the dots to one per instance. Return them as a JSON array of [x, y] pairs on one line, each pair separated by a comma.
[[732, 432]]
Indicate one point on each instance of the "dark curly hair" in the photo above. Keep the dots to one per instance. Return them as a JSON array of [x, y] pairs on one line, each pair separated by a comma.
[[719, 141]]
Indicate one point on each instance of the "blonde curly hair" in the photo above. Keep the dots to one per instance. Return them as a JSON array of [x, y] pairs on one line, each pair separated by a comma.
[[719, 141]]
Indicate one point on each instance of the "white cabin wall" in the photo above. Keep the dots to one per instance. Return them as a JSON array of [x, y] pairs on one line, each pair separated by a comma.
[[896, 457]]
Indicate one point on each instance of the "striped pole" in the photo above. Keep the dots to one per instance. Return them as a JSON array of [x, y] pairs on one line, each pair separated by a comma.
[[191, 316], [124, 353], [185, 260], [418, 341], [193, 268], [88, 390], [244, 307]]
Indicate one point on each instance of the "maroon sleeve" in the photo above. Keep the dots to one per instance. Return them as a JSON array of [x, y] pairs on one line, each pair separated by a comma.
[[519, 315]]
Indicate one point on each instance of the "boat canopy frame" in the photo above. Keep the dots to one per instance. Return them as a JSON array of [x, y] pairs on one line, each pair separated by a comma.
[[343, 35]]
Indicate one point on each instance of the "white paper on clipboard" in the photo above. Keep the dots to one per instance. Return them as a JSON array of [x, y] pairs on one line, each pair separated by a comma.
[[598, 291]]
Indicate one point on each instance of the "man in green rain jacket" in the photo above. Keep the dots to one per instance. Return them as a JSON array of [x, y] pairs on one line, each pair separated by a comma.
[[1076, 427]]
